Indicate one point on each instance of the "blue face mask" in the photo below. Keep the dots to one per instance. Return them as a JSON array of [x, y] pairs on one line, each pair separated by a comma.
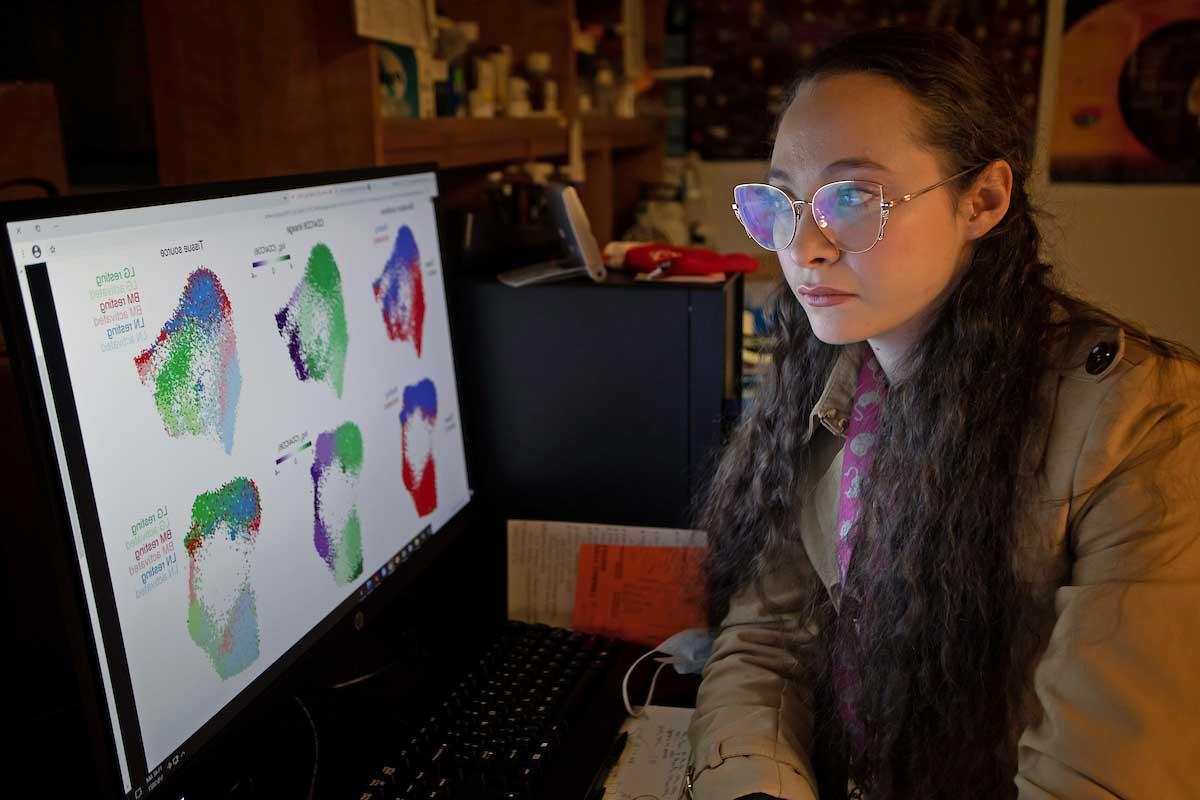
[[688, 651]]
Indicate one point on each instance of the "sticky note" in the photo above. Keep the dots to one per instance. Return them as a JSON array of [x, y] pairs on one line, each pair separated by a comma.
[[639, 593]]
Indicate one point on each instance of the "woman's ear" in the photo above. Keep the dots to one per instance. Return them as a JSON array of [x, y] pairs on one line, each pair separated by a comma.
[[986, 202]]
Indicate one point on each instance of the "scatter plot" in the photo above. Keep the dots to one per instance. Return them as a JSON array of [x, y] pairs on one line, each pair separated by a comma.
[[418, 416], [337, 534], [222, 618], [193, 364], [400, 293], [313, 323]]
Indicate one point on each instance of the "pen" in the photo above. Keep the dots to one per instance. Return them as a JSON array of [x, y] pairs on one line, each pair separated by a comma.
[[596, 790]]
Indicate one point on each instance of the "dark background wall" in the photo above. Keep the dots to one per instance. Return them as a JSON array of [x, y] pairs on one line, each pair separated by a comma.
[[756, 48], [95, 55]]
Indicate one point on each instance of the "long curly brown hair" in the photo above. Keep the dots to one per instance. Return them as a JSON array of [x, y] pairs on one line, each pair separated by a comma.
[[949, 634]]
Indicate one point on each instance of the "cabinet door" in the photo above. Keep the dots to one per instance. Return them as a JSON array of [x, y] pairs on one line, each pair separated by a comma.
[[579, 397]]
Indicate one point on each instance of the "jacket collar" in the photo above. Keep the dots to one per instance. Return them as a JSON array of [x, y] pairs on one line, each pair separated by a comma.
[[832, 407], [1069, 348]]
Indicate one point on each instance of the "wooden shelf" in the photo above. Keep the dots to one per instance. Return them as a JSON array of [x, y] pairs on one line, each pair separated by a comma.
[[302, 95], [468, 142], [620, 134]]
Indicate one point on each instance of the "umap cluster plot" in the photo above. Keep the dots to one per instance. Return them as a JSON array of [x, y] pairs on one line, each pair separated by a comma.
[[337, 534], [222, 617], [418, 419], [193, 364], [400, 292], [313, 323]]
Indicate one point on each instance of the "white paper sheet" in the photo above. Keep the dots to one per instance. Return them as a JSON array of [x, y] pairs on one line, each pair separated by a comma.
[[542, 560], [400, 21], [654, 762]]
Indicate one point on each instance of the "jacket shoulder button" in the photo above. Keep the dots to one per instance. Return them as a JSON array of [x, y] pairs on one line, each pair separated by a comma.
[[1100, 357]]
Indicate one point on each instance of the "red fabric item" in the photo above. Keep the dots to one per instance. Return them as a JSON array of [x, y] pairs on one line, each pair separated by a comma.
[[686, 260]]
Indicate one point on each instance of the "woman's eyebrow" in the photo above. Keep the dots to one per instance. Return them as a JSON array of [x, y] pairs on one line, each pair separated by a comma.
[[856, 162]]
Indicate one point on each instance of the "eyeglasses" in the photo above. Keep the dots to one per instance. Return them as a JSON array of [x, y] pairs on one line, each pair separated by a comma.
[[850, 214]]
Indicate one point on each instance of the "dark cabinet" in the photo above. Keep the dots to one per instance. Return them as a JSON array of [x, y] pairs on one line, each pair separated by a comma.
[[597, 402]]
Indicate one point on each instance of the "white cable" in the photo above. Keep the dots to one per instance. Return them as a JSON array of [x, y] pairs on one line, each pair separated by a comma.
[[625, 684]]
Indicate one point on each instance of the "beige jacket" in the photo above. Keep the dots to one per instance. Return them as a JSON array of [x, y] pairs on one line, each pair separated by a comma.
[[1119, 682]]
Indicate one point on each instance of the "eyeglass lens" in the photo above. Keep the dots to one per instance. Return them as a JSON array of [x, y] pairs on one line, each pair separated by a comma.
[[847, 212], [767, 214]]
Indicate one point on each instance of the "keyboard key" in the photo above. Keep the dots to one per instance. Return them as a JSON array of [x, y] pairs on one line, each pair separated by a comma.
[[376, 789], [442, 758], [529, 778], [442, 789]]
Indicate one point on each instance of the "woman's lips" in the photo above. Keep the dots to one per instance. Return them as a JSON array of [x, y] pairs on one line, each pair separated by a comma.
[[822, 296]]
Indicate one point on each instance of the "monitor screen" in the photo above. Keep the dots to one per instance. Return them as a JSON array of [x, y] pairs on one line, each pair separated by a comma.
[[253, 407]]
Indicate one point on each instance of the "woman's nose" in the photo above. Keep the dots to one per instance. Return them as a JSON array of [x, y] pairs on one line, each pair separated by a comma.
[[810, 247]]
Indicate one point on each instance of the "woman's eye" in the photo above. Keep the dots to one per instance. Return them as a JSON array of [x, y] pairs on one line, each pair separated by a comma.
[[853, 197]]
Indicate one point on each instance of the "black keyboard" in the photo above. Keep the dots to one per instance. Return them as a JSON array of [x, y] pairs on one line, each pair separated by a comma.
[[501, 728]]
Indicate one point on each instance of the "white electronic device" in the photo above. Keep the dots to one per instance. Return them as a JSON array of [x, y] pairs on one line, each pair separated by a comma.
[[583, 252]]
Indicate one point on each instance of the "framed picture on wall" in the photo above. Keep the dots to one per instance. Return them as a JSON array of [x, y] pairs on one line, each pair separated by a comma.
[[1128, 103]]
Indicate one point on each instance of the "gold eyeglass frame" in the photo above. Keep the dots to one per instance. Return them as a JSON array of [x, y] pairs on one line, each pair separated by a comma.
[[885, 208]]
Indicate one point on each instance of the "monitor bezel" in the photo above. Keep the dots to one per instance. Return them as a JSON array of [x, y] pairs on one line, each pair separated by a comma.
[[33, 404]]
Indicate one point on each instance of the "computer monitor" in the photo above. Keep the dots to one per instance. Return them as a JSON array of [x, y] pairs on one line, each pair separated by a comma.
[[245, 399]]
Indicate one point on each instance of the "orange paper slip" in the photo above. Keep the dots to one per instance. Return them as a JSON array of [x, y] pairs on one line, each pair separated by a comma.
[[639, 593]]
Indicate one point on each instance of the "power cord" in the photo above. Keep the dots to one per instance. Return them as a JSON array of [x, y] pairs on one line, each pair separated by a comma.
[[312, 785], [368, 676], [412, 651]]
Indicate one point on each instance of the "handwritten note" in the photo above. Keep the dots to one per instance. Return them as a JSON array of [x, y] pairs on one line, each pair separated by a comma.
[[638, 593], [543, 558], [655, 758]]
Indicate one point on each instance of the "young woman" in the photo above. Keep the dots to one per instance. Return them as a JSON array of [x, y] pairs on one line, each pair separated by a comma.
[[955, 545]]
